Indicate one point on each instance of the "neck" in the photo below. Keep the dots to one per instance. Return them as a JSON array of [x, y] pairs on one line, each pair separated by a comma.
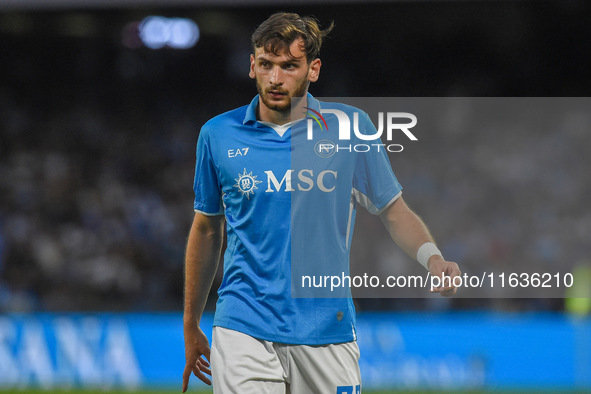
[[267, 114]]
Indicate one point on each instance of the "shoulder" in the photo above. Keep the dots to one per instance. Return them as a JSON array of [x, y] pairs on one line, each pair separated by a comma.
[[348, 109], [224, 121]]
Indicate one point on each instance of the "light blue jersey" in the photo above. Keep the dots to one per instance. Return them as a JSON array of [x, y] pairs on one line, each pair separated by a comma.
[[289, 202]]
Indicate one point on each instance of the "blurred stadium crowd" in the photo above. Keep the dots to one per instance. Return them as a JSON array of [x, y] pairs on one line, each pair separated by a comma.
[[95, 209], [97, 159]]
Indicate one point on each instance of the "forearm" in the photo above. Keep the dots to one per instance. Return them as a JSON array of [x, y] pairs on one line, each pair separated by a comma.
[[201, 261], [405, 227]]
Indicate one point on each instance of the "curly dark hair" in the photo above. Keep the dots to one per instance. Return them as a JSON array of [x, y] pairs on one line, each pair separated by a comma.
[[277, 33]]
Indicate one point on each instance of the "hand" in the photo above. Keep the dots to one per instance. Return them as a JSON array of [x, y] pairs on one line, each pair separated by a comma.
[[196, 346], [443, 269]]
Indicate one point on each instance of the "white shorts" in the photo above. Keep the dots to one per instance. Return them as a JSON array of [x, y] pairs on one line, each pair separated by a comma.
[[242, 364]]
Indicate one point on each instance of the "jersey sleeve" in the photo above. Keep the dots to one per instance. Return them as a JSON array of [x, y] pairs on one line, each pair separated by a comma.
[[375, 186], [208, 197]]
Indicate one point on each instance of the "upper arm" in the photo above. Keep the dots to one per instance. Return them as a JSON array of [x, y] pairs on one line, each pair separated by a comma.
[[206, 185], [375, 185]]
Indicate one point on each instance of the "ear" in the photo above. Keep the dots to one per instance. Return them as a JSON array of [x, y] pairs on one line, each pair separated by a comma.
[[251, 73], [314, 70]]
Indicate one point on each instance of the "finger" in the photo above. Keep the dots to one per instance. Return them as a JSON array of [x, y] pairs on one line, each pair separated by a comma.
[[203, 366], [186, 376], [201, 376], [207, 352], [455, 271], [446, 291], [203, 361], [439, 289]]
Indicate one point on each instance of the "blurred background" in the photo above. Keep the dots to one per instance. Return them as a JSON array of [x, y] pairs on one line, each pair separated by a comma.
[[101, 103]]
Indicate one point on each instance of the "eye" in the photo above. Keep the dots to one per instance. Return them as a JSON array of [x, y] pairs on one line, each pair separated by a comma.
[[289, 66], [264, 64]]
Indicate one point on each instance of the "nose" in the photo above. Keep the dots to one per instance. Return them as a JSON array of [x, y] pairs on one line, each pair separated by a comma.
[[275, 76]]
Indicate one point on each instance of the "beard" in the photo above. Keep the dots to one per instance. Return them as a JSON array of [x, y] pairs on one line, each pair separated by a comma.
[[298, 93]]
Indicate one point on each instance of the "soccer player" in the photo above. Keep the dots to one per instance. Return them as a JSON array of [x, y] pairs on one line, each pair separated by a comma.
[[288, 205]]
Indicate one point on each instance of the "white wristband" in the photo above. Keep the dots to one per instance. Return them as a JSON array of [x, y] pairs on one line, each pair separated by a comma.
[[427, 250]]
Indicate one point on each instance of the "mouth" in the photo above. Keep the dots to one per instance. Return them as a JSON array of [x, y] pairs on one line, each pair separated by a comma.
[[276, 94]]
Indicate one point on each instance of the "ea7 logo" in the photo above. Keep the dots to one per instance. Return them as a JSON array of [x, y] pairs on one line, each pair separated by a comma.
[[325, 181], [345, 125], [237, 152]]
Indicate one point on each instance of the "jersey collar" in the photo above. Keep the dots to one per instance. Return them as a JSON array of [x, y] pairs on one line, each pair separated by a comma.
[[251, 110]]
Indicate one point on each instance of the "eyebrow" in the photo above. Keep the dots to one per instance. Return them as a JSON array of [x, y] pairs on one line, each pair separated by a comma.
[[291, 60]]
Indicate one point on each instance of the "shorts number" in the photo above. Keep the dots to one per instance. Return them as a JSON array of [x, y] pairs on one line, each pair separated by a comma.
[[349, 389]]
